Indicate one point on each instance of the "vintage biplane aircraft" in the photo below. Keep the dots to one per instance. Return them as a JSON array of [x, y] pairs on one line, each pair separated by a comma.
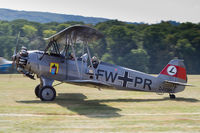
[[4, 64], [66, 66]]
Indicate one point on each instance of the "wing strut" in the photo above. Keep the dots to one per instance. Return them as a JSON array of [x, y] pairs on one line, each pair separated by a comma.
[[83, 50], [55, 47], [74, 53], [88, 51]]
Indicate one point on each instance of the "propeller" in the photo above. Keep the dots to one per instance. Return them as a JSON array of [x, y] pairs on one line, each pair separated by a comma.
[[16, 49], [20, 58]]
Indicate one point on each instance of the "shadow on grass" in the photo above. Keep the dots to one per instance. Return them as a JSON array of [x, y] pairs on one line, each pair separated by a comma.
[[151, 100], [78, 103], [184, 99]]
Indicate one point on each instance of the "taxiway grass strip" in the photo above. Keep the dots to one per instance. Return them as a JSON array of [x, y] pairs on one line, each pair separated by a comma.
[[87, 110]]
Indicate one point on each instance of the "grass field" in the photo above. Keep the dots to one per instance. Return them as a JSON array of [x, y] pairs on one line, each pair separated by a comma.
[[81, 109]]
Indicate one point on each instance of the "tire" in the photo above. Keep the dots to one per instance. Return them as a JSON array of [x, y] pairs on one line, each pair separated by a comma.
[[172, 96], [47, 93], [37, 90]]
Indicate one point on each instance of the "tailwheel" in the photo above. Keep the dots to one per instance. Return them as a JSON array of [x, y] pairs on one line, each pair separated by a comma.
[[37, 90], [47, 93], [172, 96]]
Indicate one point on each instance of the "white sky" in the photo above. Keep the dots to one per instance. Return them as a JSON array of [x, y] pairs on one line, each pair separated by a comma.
[[148, 11]]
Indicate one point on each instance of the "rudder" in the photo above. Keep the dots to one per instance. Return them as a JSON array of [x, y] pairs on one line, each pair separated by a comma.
[[174, 71]]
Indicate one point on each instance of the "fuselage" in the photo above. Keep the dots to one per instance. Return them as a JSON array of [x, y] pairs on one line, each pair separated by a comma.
[[62, 69]]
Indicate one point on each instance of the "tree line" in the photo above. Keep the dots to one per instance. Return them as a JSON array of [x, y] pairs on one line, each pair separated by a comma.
[[142, 47]]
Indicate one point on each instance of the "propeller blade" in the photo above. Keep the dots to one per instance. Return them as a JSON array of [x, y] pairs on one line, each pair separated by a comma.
[[16, 48]]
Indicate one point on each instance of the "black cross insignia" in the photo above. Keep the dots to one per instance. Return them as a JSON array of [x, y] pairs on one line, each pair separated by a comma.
[[125, 79]]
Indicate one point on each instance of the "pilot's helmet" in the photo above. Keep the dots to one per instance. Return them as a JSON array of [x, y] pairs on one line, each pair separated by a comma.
[[24, 48], [94, 58], [71, 56]]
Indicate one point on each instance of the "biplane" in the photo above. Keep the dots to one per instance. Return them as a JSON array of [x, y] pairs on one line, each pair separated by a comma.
[[60, 61]]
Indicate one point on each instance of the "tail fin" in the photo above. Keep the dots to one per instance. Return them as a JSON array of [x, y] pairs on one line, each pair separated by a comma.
[[174, 71]]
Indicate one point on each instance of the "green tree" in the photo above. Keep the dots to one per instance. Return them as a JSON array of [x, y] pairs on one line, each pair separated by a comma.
[[48, 33], [30, 31], [137, 59], [184, 50]]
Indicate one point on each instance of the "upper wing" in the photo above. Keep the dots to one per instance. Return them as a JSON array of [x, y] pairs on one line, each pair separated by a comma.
[[76, 33]]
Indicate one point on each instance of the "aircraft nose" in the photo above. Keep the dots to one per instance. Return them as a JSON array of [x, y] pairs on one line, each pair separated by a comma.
[[21, 59], [22, 63]]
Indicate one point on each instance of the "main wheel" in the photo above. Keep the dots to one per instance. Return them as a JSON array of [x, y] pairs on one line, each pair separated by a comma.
[[37, 90], [172, 96], [47, 93]]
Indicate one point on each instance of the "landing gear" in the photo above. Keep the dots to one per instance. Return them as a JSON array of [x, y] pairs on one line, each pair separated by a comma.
[[44, 90], [172, 96], [37, 90], [47, 93]]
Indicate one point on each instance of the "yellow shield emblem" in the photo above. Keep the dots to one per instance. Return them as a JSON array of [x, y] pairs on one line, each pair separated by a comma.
[[54, 67]]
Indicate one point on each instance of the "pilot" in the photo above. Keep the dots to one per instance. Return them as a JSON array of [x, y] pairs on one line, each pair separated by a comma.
[[95, 61], [71, 56]]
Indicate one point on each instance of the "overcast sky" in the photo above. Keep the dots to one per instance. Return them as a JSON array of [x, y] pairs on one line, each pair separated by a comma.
[[148, 11]]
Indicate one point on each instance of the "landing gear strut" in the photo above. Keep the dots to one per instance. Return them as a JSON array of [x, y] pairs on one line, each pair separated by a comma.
[[172, 96], [44, 90]]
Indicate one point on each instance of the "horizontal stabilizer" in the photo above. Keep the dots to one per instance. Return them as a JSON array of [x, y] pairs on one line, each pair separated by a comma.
[[176, 83]]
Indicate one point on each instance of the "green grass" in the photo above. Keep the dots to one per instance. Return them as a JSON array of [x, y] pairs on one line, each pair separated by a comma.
[[81, 109]]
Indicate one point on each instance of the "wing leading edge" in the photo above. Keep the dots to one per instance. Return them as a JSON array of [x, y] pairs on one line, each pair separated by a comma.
[[90, 83], [76, 33]]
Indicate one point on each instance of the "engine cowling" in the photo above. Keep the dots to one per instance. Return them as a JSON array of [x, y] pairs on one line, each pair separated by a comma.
[[21, 59]]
